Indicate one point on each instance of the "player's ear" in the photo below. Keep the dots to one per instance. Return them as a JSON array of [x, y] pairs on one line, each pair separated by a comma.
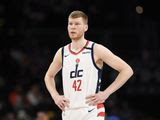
[[86, 27]]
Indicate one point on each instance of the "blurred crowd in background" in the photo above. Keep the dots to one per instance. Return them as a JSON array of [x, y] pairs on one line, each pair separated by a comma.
[[31, 31]]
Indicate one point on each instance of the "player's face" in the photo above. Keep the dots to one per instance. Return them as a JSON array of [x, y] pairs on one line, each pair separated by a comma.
[[76, 28]]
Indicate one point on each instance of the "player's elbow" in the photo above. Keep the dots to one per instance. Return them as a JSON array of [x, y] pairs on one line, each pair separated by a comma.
[[127, 70], [47, 77], [130, 70]]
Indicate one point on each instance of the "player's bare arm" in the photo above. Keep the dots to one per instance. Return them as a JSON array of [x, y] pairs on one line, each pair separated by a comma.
[[53, 69], [125, 72]]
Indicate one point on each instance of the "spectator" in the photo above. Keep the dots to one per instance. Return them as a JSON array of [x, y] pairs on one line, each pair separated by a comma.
[[41, 115]]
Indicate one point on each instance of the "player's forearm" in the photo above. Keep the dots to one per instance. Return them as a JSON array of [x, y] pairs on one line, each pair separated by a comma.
[[50, 84], [121, 79]]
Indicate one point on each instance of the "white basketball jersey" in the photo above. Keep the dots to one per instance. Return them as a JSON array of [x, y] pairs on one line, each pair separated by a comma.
[[81, 76]]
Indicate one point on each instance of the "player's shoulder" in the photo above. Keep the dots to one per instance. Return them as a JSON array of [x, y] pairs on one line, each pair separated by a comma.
[[59, 50], [98, 46]]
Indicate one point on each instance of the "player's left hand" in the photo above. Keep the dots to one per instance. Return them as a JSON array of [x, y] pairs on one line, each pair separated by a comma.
[[97, 98]]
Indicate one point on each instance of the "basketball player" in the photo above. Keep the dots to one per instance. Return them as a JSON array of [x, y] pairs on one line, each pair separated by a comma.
[[81, 62]]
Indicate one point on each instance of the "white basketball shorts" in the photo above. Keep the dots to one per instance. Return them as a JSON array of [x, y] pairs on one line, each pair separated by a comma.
[[90, 113]]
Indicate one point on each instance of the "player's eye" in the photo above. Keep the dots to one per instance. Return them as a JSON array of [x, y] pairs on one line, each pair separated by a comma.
[[77, 23], [70, 23]]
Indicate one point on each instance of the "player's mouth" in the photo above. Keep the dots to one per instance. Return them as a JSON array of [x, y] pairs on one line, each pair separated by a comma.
[[73, 32]]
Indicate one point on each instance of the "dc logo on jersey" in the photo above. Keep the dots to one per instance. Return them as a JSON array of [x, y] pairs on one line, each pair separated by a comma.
[[76, 73]]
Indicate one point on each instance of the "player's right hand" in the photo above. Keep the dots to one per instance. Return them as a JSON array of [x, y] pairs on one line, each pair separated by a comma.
[[61, 102]]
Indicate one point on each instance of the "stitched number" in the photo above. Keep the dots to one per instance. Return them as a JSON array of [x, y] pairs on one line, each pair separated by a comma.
[[77, 85]]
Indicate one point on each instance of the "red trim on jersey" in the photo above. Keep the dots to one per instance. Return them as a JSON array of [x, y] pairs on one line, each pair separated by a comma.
[[102, 114], [75, 53], [100, 106]]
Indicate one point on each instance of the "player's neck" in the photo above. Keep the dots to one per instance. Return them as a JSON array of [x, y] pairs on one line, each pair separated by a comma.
[[76, 45]]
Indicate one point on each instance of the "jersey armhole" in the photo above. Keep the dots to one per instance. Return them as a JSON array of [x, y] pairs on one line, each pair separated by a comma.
[[62, 55], [92, 55]]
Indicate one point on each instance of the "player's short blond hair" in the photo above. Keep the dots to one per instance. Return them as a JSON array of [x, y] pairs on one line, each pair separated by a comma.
[[78, 14]]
